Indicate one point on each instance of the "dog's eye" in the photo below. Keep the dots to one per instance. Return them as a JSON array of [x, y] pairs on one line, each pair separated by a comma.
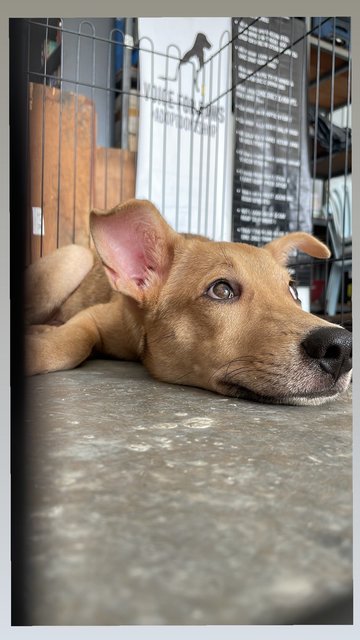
[[221, 290], [293, 290]]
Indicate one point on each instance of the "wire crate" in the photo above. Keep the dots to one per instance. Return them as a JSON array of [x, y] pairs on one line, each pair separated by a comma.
[[260, 145]]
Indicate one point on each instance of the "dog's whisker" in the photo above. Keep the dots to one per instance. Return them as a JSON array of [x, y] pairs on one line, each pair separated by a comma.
[[243, 359], [183, 376]]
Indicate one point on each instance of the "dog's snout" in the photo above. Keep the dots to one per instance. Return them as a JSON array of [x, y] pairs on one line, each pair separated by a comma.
[[331, 347]]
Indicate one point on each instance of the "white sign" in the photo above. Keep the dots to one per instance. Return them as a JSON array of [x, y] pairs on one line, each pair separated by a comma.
[[38, 222], [184, 163]]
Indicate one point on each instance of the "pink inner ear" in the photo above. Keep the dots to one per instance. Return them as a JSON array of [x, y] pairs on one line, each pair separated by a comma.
[[126, 245]]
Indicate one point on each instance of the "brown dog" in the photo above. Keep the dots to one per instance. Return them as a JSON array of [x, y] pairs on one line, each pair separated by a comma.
[[218, 315]]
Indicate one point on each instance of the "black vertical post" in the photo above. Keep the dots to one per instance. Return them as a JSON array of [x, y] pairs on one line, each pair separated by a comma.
[[18, 36]]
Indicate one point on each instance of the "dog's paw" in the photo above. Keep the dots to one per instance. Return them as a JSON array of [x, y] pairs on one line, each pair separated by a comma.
[[39, 354], [60, 348]]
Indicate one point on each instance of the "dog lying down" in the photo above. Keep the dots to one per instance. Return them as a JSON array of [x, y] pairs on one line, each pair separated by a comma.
[[218, 315]]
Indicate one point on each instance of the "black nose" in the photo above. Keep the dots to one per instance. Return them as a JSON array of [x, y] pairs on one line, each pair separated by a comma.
[[332, 348]]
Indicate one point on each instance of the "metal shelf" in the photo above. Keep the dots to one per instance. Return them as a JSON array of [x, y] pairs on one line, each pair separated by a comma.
[[331, 84]]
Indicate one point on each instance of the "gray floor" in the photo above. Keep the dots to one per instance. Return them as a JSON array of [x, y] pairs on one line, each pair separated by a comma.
[[157, 504]]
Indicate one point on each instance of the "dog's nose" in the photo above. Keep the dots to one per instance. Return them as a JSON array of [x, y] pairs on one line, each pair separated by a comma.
[[332, 348]]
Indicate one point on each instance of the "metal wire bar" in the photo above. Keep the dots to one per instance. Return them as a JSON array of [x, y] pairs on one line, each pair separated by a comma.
[[225, 173], [208, 159], [216, 165], [345, 181], [43, 143], [178, 165], [93, 134], [164, 167], [27, 151], [262, 192], [222, 47], [59, 159], [191, 166], [302, 116], [151, 133], [269, 61], [328, 186]]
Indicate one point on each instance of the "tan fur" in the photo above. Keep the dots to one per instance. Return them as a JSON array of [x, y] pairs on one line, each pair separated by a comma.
[[164, 317], [45, 293]]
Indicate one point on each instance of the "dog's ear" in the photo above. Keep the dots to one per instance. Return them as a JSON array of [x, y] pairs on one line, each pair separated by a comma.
[[282, 247], [135, 245]]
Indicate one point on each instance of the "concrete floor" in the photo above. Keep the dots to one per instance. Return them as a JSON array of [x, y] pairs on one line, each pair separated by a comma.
[[157, 504]]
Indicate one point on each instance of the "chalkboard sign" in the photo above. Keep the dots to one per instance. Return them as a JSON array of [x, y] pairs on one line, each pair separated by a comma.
[[272, 184]]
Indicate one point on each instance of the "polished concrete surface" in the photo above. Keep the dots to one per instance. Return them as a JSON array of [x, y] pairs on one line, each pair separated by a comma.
[[151, 503]]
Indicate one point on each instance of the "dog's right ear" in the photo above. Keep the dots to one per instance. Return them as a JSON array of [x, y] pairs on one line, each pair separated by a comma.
[[281, 247], [135, 246]]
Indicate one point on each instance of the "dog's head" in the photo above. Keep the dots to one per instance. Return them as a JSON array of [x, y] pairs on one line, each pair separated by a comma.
[[202, 42], [220, 315]]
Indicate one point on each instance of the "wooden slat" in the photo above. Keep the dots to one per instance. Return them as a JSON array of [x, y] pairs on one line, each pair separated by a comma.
[[62, 150], [36, 120], [50, 169], [68, 174], [114, 177]]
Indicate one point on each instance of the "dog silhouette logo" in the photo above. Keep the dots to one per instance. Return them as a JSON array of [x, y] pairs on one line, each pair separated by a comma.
[[197, 52]]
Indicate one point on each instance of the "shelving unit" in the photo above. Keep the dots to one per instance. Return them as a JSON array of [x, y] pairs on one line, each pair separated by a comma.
[[329, 75], [328, 88], [338, 163], [341, 70]]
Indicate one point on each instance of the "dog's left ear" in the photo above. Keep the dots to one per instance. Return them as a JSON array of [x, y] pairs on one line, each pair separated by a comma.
[[135, 245], [281, 247]]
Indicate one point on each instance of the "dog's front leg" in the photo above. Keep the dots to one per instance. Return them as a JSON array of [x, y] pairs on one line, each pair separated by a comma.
[[63, 347], [110, 328]]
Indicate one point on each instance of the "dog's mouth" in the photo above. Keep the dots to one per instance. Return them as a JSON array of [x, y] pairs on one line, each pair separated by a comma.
[[300, 398]]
